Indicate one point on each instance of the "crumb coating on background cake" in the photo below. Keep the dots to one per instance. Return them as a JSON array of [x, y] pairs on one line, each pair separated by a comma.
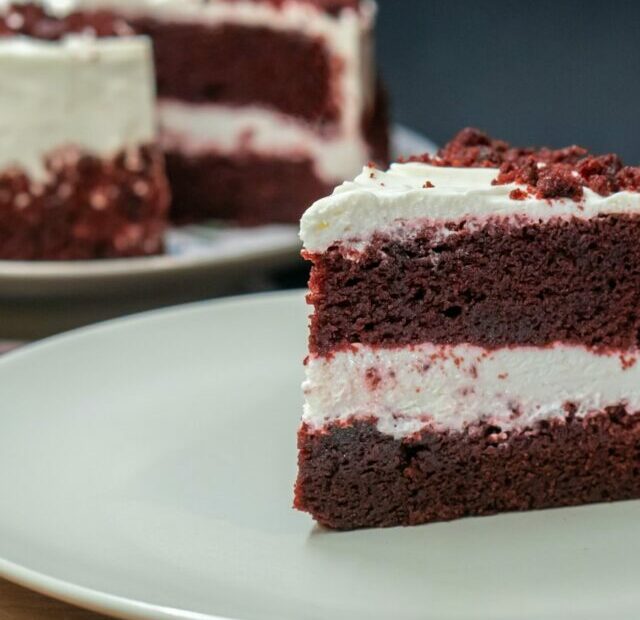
[[81, 174]]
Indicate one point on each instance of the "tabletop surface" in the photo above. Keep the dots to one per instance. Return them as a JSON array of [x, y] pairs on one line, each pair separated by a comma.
[[19, 604]]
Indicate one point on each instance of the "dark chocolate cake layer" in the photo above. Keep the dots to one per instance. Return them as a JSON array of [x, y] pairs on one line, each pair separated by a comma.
[[256, 66], [353, 476], [246, 189], [575, 281]]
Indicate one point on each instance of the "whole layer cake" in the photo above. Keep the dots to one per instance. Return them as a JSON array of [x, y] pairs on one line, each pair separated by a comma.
[[265, 105], [474, 341], [81, 175]]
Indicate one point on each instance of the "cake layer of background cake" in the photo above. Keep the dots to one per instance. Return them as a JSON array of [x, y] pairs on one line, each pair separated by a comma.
[[474, 342], [265, 105], [81, 175]]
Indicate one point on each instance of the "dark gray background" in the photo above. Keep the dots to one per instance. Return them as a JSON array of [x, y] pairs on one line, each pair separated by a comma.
[[552, 73]]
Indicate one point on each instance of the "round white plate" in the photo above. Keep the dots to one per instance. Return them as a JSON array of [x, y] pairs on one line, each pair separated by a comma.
[[202, 261], [146, 471]]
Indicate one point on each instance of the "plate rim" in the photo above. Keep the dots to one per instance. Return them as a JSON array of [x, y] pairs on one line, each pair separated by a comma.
[[89, 598], [57, 271]]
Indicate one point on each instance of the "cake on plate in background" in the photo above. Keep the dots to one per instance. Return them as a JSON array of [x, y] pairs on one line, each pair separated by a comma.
[[474, 341], [81, 173], [265, 105]]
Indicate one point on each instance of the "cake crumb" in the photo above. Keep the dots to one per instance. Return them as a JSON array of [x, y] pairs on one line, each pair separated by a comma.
[[627, 361], [22, 201], [373, 378], [98, 200]]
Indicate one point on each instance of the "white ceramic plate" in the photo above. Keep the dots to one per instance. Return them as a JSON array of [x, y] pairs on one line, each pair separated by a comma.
[[146, 471], [41, 298]]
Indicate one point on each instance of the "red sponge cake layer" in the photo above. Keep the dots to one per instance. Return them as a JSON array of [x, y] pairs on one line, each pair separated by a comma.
[[253, 66], [354, 476]]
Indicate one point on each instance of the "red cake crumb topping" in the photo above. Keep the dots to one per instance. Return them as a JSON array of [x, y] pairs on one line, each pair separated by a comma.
[[470, 148], [518, 194], [32, 20], [548, 173]]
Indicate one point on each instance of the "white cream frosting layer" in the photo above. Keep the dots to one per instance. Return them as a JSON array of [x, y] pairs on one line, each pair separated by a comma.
[[97, 94], [395, 201], [451, 387], [197, 129]]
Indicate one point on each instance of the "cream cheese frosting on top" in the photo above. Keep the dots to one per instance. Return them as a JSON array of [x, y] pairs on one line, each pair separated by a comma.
[[386, 201]]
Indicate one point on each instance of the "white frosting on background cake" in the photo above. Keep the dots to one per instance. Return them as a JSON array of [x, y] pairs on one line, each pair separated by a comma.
[[207, 128], [97, 94], [396, 200], [450, 387]]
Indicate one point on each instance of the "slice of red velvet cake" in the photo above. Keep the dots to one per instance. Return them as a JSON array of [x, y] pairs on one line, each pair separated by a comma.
[[474, 342], [81, 175], [265, 105]]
